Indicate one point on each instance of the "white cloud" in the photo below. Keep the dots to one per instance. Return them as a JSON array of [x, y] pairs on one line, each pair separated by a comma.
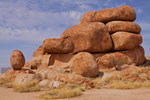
[[139, 10]]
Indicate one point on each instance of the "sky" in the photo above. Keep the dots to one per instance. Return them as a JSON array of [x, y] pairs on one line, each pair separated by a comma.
[[24, 24]]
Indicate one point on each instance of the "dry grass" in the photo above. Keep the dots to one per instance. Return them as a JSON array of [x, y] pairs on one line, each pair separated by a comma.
[[27, 87], [64, 91], [6, 82], [125, 85]]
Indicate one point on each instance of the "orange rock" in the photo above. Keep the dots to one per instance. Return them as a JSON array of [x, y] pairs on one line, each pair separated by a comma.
[[125, 40], [47, 60], [117, 59], [88, 17], [115, 26], [137, 55], [57, 46], [38, 52], [84, 64], [34, 62], [17, 60], [122, 13], [113, 60], [92, 37]]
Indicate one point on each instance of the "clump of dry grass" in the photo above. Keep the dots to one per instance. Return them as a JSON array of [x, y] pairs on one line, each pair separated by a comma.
[[27, 87], [64, 91], [125, 85]]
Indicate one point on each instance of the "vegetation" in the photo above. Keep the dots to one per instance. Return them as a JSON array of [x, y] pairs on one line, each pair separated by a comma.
[[64, 91], [27, 87]]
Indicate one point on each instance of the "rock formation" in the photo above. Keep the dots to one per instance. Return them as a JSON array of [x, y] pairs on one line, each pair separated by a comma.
[[104, 39]]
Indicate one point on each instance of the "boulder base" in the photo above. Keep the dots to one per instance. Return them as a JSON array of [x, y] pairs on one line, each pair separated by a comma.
[[117, 59]]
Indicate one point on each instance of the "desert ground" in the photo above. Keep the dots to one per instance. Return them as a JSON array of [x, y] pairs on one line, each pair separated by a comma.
[[97, 94]]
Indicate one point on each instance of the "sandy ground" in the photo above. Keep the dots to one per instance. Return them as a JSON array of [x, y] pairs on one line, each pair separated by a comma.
[[101, 94]]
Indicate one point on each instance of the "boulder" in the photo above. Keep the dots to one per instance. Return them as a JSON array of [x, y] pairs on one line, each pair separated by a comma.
[[17, 60], [113, 60], [88, 17], [38, 52], [34, 62], [122, 13], [84, 64], [92, 37], [125, 40], [24, 78], [115, 26], [47, 60], [116, 59], [137, 55], [54, 46]]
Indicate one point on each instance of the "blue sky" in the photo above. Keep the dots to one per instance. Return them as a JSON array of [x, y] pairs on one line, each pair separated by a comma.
[[24, 24]]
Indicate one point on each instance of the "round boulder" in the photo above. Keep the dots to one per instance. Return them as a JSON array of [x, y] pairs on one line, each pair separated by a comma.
[[84, 64], [17, 60], [115, 26]]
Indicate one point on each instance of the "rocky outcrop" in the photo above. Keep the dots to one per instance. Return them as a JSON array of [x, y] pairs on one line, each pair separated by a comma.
[[92, 37], [122, 13], [17, 60], [57, 46], [104, 40], [125, 40], [126, 26]]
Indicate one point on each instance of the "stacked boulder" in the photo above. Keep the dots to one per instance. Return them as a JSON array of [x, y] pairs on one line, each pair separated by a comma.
[[103, 39]]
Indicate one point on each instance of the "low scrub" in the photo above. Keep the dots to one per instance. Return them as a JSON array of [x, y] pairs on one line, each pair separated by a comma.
[[27, 87], [64, 91]]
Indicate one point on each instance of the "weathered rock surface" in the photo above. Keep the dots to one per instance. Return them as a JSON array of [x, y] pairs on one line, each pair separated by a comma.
[[57, 46], [116, 59], [38, 52], [92, 37], [137, 55], [122, 13], [125, 40], [24, 78], [47, 60], [84, 64], [115, 26], [34, 62], [88, 17], [17, 60]]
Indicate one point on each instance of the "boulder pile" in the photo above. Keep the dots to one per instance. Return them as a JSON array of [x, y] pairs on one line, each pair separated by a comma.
[[104, 39]]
